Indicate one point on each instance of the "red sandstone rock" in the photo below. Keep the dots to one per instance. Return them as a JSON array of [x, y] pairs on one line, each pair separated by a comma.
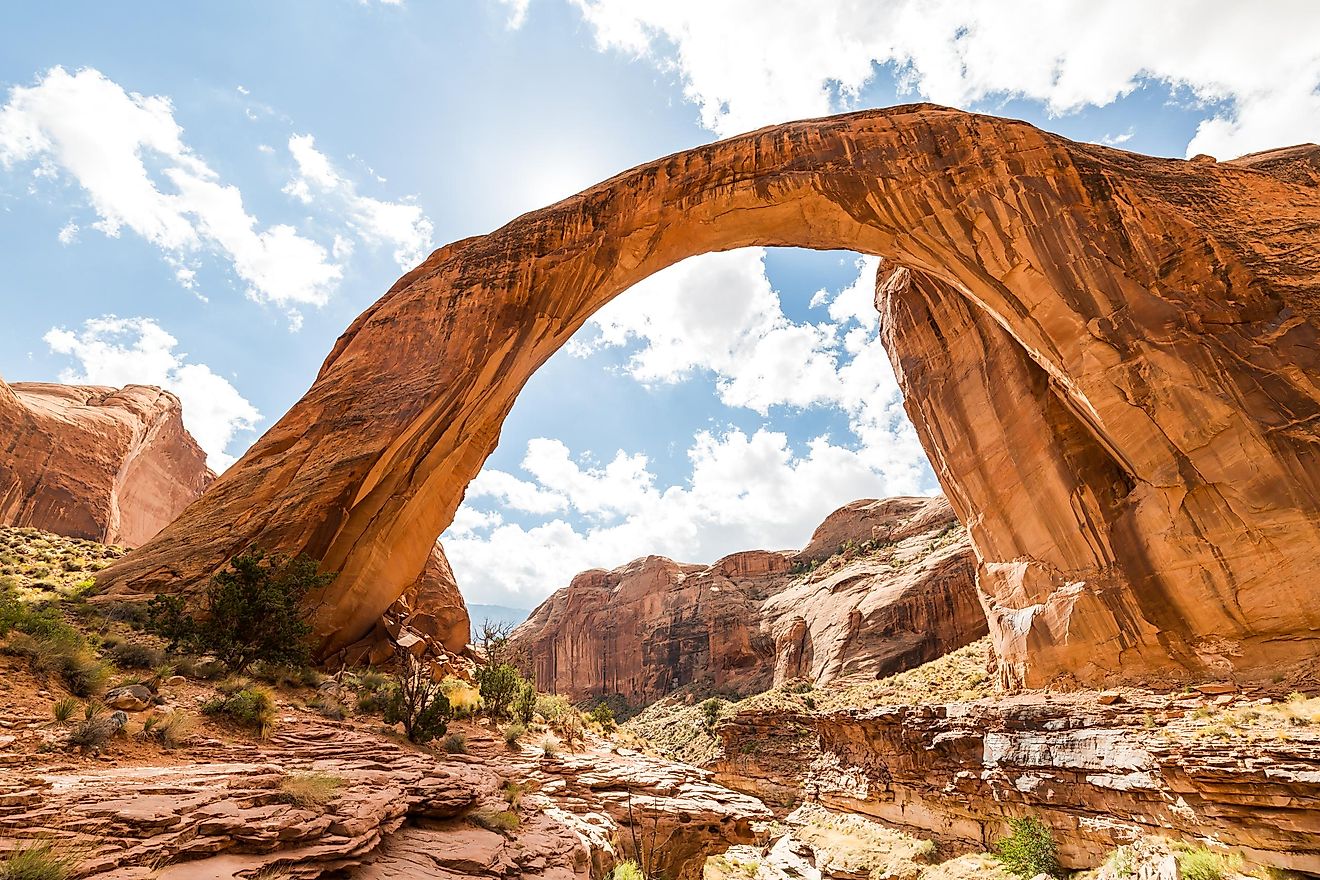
[[1120, 399], [896, 590], [105, 464]]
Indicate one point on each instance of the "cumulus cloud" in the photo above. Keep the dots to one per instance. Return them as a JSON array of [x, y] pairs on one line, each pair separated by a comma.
[[745, 491], [715, 317], [122, 351], [402, 225], [718, 315], [127, 153], [748, 63]]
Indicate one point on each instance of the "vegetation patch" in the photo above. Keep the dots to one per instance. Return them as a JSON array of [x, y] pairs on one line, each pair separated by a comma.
[[252, 612], [502, 821], [1029, 849], [41, 860], [248, 706], [310, 790]]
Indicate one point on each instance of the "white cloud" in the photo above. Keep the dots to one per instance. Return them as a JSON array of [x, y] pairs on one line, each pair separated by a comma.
[[400, 224], [517, 12], [748, 63], [719, 314], [715, 315], [127, 153], [122, 351], [745, 491], [68, 233]]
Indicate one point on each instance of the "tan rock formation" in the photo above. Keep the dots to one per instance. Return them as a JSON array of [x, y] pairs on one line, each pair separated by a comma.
[[1155, 319], [215, 810], [897, 589], [105, 464], [429, 620]]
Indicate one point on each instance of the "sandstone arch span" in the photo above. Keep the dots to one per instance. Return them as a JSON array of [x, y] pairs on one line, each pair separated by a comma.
[[1112, 361]]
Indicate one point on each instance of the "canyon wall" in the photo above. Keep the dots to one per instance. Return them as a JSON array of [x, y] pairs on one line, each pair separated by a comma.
[[883, 586], [1154, 319], [1099, 774], [105, 464]]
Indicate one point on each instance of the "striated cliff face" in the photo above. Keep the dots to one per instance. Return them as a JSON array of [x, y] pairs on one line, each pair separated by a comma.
[[883, 586], [1100, 770], [1151, 323], [104, 464]]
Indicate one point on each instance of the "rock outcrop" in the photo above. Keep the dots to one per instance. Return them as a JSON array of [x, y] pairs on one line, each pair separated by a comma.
[[1100, 769], [104, 464], [430, 620], [223, 810], [1153, 322], [883, 586]]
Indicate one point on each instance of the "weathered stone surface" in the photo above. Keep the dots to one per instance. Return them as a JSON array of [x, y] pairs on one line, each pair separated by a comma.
[[1099, 775], [1155, 319], [429, 620], [217, 810], [897, 589], [105, 464]]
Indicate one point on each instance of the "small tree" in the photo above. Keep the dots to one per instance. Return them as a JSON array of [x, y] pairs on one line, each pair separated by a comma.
[[252, 611], [417, 701], [603, 715], [710, 712], [498, 684], [1029, 849], [493, 641], [524, 704]]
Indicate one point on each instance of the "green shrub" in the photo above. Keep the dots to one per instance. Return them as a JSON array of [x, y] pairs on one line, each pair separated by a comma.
[[1207, 864], [603, 715], [513, 733], [498, 684], [1029, 849], [524, 704], [710, 712], [552, 706], [309, 790], [252, 612], [64, 708], [512, 792], [40, 860], [496, 820], [456, 744], [251, 707], [418, 702], [627, 870], [170, 730], [133, 655]]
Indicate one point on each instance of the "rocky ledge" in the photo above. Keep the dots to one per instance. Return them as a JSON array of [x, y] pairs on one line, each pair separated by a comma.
[[1102, 769], [223, 808]]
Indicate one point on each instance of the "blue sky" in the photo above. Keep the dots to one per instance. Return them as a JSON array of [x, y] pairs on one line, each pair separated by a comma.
[[204, 195]]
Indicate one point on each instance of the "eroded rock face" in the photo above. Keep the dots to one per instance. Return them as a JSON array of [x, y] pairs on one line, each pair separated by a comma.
[[1155, 318], [1099, 773], [429, 621], [896, 589], [105, 464]]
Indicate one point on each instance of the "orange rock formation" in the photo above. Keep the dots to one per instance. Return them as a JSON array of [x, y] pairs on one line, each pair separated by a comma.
[[104, 464], [897, 588], [1152, 511]]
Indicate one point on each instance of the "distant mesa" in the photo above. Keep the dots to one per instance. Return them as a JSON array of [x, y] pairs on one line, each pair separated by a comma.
[[103, 464], [882, 587]]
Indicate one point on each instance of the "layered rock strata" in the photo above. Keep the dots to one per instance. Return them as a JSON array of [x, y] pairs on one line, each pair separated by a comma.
[[1153, 320], [104, 464], [1100, 775], [883, 586]]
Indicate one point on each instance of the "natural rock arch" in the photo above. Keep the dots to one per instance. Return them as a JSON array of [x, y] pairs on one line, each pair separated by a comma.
[[1111, 359]]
